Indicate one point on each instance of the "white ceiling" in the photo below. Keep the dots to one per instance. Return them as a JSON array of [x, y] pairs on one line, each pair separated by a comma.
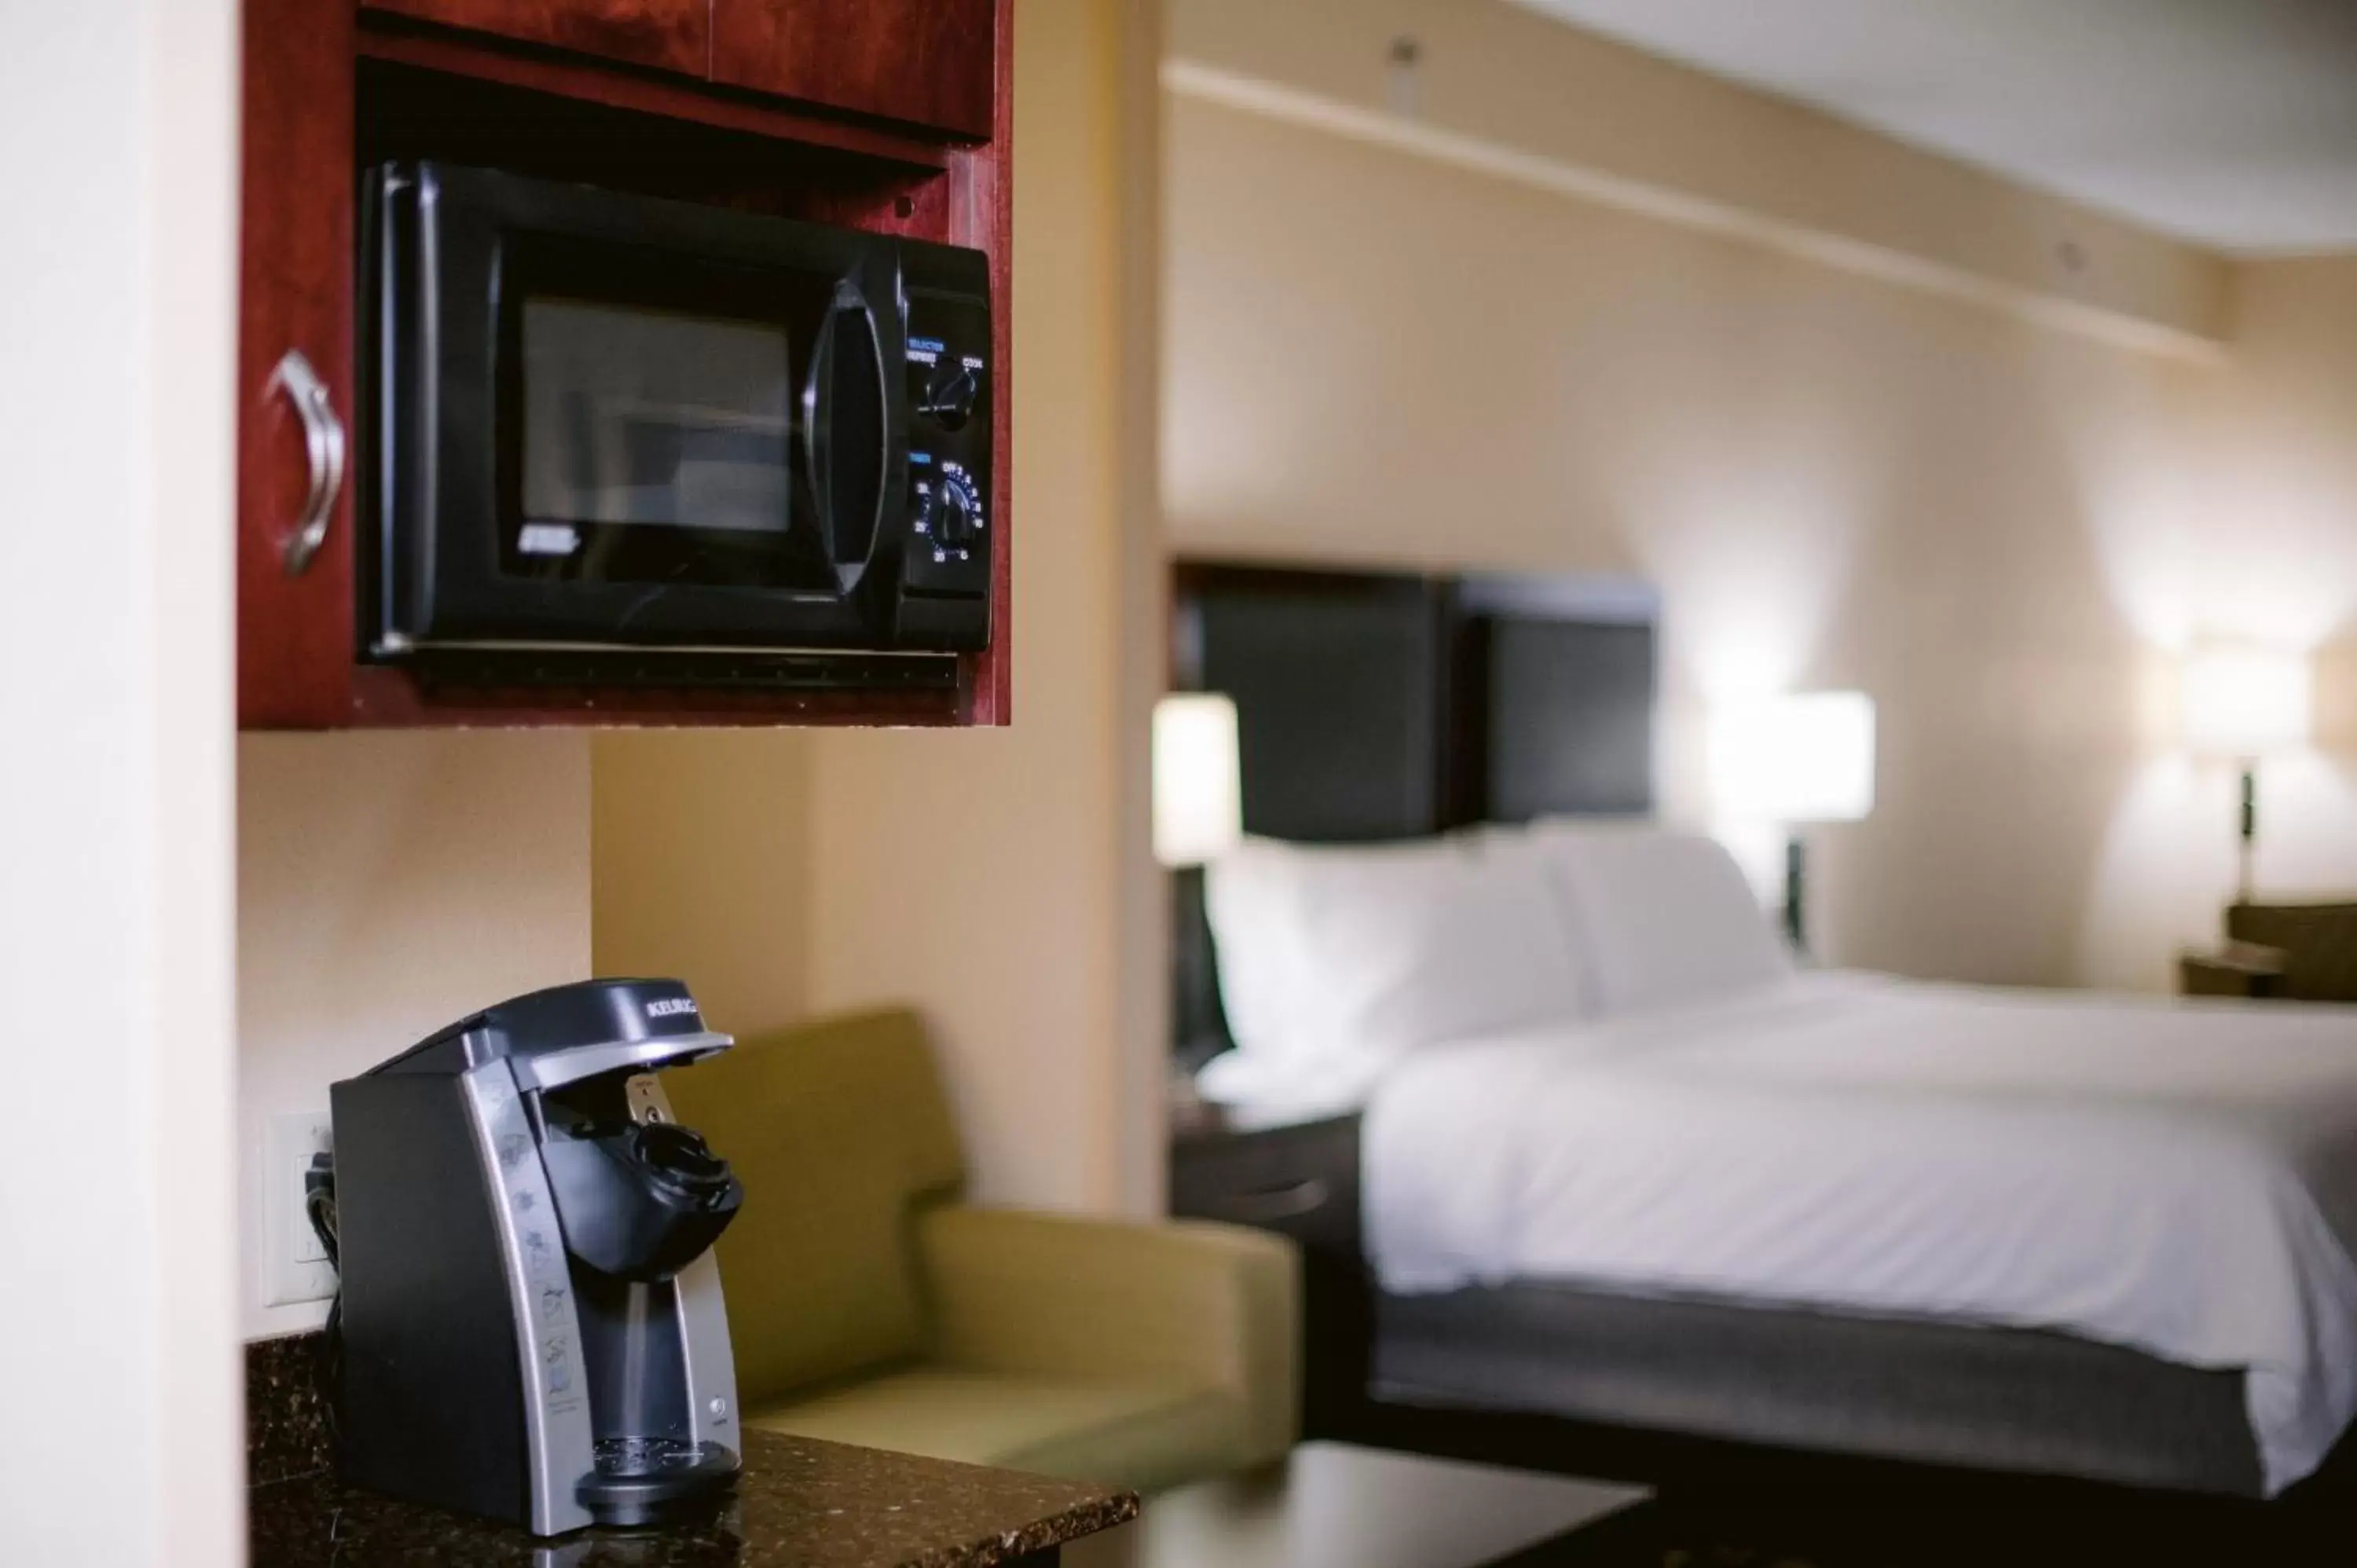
[[2231, 122]]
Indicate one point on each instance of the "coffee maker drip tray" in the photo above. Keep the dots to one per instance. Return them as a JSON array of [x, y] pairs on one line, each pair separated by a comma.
[[654, 1480]]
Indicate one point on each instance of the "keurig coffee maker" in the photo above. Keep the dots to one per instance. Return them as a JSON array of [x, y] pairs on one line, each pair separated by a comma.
[[531, 1321]]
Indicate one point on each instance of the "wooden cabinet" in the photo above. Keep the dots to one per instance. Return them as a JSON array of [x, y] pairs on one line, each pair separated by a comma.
[[669, 35], [926, 61], [890, 116], [294, 365]]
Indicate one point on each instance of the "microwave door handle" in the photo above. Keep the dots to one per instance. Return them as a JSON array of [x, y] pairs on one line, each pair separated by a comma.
[[818, 432], [891, 438], [324, 449], [820, 424]]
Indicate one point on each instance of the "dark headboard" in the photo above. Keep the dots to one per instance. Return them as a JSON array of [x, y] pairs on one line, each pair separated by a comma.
[[1341, 715], [1385, 706], [1556, 682]]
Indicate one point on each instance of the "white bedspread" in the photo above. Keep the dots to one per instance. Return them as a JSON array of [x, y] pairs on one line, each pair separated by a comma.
[[2176, 1177]]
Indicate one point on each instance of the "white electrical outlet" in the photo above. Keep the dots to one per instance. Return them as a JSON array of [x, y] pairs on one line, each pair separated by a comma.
[[299, 1269]]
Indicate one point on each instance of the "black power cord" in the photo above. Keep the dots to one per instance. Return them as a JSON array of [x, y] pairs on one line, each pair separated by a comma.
[[319, 1201], [319, 1208]]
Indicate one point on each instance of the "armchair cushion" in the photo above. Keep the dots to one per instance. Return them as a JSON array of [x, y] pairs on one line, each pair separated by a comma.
[[1179, 1305], [1142, 1355], [1142, 1435]]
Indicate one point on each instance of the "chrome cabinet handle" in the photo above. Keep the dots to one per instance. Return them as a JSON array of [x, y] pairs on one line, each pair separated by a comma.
[[1289, 1202], [323, 444]]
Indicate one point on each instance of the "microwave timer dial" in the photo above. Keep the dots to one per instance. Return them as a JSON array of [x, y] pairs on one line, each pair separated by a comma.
[[949, 512]]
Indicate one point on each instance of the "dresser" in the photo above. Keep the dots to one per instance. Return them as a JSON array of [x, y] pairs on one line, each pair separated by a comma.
[[1300, 1179]]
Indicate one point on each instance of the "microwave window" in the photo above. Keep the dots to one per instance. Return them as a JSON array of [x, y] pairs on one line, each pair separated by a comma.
[[656, 445]]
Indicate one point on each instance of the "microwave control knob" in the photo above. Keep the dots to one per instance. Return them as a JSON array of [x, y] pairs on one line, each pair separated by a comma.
[[953, 517], [949, 400], [949, 512]]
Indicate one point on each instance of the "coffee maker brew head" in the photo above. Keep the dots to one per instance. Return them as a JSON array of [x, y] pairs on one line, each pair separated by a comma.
[[530, 1315], [639, 1196]]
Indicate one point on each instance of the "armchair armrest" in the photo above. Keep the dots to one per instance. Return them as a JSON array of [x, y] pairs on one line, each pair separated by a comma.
[[1181, 1301]]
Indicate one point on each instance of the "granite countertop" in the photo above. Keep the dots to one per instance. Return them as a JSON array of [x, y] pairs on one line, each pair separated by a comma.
[[800, 1504]]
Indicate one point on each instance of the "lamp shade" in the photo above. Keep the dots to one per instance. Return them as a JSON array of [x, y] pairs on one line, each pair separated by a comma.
[[1198, 785], [2240, 700], [1799, 758]]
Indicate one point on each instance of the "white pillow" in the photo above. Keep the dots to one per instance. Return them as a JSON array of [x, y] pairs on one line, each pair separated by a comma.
[[1660, 918], [1358, 953], [1248, 899]]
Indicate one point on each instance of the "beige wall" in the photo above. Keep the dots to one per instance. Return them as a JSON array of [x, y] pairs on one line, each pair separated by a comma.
[[2290, 480], [2273, 557], [701, 842], [389, 883], [990, 877], [1639, 130], [1995, 522]]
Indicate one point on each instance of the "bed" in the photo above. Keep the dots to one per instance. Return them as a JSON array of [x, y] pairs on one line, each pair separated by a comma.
[[1629, 1169], [2176, 1181]]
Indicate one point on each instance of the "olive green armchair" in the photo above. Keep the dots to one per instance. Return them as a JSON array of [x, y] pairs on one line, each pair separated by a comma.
[[868, 1304]]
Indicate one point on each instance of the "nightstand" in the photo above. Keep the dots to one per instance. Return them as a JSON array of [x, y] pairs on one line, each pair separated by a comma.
[[1299, 1178], [2238, 969]]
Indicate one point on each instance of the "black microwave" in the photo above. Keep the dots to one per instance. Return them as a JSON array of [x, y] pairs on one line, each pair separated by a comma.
[[623, 439]]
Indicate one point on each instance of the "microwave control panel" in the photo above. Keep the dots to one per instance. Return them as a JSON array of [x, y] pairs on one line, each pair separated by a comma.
[[950, 526]]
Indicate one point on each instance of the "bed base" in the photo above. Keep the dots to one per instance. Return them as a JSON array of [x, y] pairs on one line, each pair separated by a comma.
[[1698, 1397], [1930, 1393]]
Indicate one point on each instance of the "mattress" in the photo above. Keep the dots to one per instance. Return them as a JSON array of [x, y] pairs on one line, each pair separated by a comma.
[[2174, 1178]]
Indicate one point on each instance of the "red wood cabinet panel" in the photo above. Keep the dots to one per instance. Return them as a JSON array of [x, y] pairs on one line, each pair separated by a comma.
[[930, 62], [294, 628], [670, 35]]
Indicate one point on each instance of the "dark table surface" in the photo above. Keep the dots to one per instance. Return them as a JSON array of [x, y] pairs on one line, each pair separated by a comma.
[[800, 1502], [1334, 1505]]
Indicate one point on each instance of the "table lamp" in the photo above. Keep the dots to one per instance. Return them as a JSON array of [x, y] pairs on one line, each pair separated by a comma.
[[1197, 786], [1198, 817], [1794, 761], [2238, 702]]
